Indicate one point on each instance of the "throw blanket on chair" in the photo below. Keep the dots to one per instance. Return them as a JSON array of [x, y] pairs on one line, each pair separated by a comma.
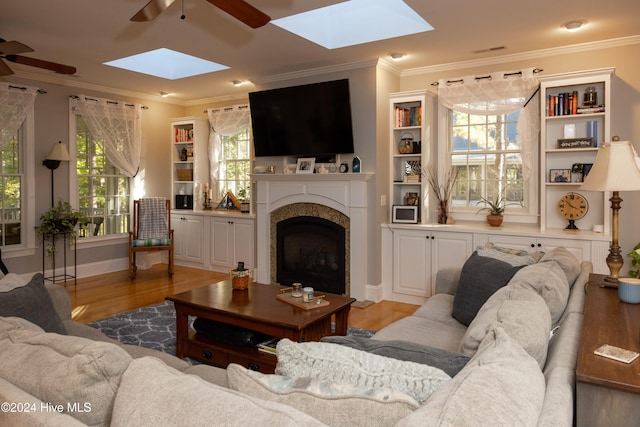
[[153, 219]]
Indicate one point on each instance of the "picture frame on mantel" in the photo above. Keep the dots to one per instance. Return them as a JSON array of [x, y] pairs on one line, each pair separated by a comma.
[[306, 165]]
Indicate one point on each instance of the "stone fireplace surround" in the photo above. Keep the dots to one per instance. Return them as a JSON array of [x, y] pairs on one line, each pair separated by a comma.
[[346, 193]]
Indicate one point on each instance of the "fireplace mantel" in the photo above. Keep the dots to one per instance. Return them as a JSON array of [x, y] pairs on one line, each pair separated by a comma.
[[346, 193]]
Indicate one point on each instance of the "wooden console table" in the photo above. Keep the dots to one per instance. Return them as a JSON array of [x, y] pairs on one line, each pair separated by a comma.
[[607, 391]]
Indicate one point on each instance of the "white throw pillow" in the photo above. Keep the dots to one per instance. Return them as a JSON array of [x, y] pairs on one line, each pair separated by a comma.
[[521, 312], [335, 404], [326, 361]]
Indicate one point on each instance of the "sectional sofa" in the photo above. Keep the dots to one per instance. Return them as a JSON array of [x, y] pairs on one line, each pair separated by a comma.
[[496, 345]]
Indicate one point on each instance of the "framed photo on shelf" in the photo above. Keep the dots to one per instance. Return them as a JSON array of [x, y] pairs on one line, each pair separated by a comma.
[[559, 175], [306, 165], [586, 168]]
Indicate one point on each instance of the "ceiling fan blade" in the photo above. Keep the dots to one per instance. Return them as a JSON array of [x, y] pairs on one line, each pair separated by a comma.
[[242, 11], [13, 48], [151, 10], [33, 62], [4, 69]]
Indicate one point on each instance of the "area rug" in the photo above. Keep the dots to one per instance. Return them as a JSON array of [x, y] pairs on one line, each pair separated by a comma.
[[154, 326]]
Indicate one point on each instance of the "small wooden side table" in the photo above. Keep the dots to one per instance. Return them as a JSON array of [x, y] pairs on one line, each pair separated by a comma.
[[607, 391]]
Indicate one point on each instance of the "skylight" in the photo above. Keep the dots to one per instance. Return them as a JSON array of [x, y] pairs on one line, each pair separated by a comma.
[[355, 22], [167, 63]]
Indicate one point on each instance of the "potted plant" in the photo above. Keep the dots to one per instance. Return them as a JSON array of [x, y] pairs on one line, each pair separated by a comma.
[[635, 262], [244, 200], [442, 191], [60, 219], [496, 208]]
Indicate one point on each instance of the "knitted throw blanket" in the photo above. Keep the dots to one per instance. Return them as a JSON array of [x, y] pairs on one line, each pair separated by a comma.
[[153, 219]]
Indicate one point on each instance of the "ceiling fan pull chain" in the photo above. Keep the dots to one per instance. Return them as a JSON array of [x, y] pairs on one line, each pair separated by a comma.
[[183, 16]]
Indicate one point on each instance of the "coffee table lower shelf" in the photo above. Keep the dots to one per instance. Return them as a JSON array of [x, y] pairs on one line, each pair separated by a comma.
[[212, 352]]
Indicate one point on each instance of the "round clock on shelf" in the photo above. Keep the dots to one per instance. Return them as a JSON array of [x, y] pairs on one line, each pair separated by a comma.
[[573, 206]]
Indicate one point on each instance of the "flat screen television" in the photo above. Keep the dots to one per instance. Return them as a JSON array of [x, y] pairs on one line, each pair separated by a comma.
[[304, 121]]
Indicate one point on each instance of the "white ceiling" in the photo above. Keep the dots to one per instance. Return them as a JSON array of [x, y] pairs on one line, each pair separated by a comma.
[[87, 33]]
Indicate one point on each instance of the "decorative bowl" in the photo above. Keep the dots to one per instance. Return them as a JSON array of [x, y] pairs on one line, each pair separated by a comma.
[[629, 290]]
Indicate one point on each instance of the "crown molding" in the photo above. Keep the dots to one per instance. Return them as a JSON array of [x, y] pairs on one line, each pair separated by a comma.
[[534, 54], [316, 71]]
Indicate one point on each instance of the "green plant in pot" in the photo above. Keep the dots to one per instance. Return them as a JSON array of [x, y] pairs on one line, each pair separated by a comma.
[[61, 218], [635, 262], [496, 208], [243, 197]]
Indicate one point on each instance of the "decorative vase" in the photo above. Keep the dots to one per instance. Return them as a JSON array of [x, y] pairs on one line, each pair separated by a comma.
[[443, 211], [494, 220]]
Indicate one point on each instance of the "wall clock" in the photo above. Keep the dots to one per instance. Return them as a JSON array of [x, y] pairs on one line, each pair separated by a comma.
[[573, 206]]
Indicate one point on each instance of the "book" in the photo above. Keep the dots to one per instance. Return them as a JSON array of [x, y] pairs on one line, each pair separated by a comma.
[[269, 346], [616, 353]]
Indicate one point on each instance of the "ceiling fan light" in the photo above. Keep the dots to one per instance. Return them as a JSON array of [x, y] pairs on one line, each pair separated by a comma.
[[573, 25]]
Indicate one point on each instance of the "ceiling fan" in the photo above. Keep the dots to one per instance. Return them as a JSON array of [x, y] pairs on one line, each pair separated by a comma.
[[239, 9], [10, 51]]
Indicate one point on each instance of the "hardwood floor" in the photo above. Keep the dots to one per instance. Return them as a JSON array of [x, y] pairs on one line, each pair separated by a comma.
[[102, 296]]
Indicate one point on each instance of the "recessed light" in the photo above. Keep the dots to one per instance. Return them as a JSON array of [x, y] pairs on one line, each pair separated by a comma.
[[396, 56], [164, 94], [573, 25], [237, 83]]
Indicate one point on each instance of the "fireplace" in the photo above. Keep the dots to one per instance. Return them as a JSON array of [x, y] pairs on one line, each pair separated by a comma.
[[311, 250], [339, 198]]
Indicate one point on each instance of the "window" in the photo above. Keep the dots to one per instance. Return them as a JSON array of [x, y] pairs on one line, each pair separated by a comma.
[[103, 190], [235, 164], [11, 189], [487, 154]]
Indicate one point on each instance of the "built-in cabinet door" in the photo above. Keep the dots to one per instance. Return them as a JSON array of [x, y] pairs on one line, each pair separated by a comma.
[[243, 238], [221, 242], [187, 234], [232, 240], [448, 250], [412, 262]]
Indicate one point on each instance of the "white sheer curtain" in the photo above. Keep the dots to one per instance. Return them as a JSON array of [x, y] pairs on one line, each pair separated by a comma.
[[117, 124], [15, 102], [499, 93], [224, 122]]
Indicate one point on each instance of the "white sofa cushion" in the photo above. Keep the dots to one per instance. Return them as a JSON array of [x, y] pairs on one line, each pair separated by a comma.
[[326, 361], [521, 312], [154, 394], [568, 262], [333, 403], [501, 385], [63, 370], [549, 281]]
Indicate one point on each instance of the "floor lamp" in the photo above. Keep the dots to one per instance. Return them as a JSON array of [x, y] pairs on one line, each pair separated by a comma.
[[59, 153], [616, 168]]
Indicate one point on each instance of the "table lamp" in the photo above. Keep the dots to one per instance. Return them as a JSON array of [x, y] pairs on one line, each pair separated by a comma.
[[616, 168]]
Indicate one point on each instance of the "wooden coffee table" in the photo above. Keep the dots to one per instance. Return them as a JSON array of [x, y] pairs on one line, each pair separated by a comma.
[[255, 308]]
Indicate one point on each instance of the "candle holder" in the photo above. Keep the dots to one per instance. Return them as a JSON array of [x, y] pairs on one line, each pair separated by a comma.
[[206, 204]]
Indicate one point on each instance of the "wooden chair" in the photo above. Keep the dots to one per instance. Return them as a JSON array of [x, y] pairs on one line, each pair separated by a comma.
[[151, 230]]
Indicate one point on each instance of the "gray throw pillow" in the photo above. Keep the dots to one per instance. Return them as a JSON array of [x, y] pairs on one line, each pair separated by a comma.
[[480, 278], [32, 302], [448, 361]]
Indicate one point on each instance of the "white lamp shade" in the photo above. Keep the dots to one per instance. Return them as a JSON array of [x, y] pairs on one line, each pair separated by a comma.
[[59, 152], [616, 168]]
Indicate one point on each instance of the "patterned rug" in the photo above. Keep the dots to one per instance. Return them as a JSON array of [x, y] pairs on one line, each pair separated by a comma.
[[154, 326]]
